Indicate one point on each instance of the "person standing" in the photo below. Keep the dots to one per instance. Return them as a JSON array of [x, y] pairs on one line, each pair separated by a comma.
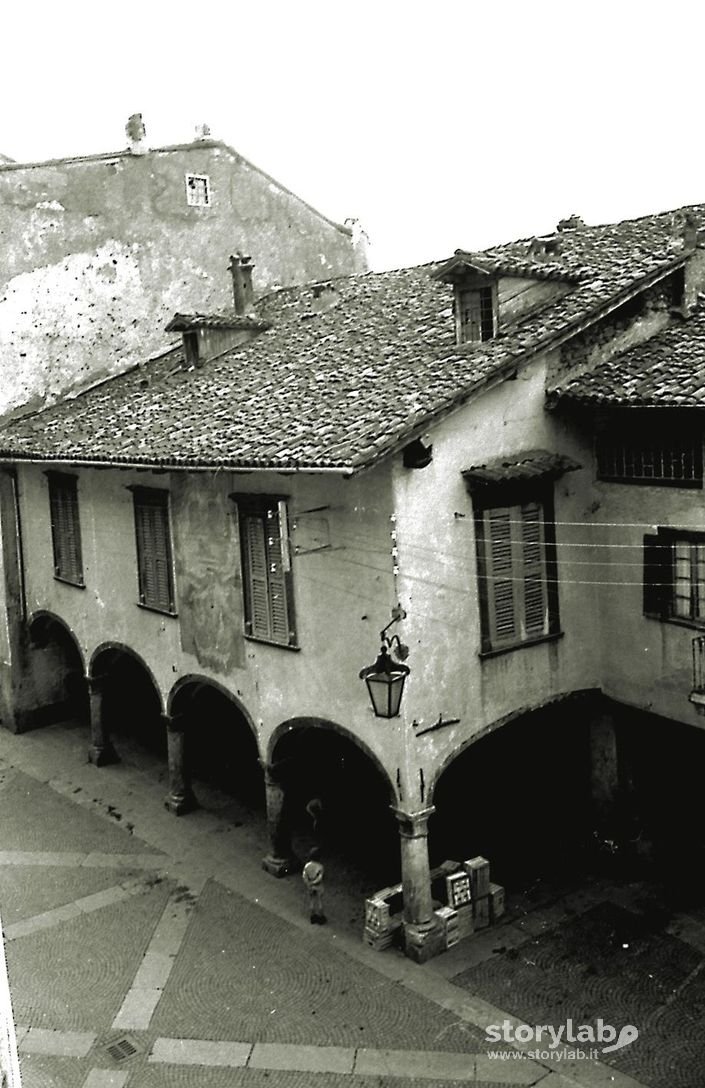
[[313, 874]]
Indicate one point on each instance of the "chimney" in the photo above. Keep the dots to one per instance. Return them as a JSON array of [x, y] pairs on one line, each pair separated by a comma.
[[136, 135], [203, 132], [243, 295], [690, 231]]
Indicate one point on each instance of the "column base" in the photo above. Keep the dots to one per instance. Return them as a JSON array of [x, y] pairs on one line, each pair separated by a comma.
[[280, 866], [423, 941], [101, 756], [181, 804]]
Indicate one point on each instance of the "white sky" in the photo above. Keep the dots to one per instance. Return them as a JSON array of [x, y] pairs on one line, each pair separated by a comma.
[[439, 125]]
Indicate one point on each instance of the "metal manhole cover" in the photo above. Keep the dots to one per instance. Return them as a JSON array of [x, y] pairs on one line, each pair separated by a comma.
[[122, 1049]]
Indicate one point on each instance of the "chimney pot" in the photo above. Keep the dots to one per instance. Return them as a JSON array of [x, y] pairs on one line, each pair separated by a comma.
[[136, 135], [243, 295]]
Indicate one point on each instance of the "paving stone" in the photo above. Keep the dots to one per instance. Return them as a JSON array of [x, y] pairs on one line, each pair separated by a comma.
[[53, 1071], [71, 1044], [415, 1063], [30, 891], [106, 1078], [200, 1052], [508, 1071], [303, 1059], [137, 1008]]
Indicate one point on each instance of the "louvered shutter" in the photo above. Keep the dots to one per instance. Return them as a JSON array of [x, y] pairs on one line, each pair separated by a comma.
[[658, 575], [502, 611], [278, 605], [156, 585], [533, 570], [257, 576], [65, 528], [268, 591]]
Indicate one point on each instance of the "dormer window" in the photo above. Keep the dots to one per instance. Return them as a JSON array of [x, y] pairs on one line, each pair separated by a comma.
[[476, 309], [198, 190]]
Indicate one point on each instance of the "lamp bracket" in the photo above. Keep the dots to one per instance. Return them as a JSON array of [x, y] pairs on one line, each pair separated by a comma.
[[438, 725]]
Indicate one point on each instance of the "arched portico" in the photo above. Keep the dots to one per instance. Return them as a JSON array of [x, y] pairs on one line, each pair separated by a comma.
[[520, 792], [125, 702], [57, 670], [327, 787], [211, 739]]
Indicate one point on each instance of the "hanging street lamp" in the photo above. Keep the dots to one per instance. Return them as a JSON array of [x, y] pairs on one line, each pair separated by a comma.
[[386, 678]]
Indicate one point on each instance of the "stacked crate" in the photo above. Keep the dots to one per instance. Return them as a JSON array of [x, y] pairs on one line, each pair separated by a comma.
[[381, 926]]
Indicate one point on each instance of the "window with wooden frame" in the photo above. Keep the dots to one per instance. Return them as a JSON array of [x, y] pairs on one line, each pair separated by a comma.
[[266, 569], [517, 571], [674, 576], [65, 528], [476, 313], [198, 190], [154, 559]]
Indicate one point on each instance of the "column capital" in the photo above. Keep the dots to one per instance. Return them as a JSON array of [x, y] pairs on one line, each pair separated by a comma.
[[413, 825], [96, 684], [175, 723]]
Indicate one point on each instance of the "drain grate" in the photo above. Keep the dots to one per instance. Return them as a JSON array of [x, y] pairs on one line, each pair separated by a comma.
[[121, 1050]]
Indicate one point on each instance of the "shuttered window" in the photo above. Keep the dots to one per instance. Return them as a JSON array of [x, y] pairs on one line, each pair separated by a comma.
[[517, 573], [674, 576], [65, 528], [154, 565], [266, 570]]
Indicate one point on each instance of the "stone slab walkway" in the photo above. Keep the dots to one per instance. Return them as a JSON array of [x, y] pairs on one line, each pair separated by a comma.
[[183, 956]]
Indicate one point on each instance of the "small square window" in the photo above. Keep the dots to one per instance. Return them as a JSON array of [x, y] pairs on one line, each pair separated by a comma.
[[198, 190]]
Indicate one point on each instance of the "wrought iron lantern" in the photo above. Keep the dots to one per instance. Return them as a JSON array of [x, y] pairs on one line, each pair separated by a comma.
[[386, 678]]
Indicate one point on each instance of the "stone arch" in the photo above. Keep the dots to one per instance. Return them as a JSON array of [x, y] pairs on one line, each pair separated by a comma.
[[519, 793], [221, 748], [318, 760], [57, 669], [506, 719], [132, 705]]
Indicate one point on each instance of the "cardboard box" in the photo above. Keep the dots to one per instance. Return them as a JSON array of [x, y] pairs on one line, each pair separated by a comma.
[[496, 898], [481, 912], [479, 871]]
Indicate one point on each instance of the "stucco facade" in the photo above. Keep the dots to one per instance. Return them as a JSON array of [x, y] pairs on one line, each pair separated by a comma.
[[100, 251]]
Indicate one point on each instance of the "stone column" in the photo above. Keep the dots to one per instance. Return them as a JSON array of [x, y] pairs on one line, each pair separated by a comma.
[[420, 927], [280, 860], [180, 798], [604, 771], [101, 751]]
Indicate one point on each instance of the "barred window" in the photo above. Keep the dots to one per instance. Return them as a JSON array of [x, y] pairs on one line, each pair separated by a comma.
[[651, 456], [153, 538], [266, 569], [65, 528]]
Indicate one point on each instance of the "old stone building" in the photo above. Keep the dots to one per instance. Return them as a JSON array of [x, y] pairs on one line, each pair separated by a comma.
[[99, 250], [448, 459]]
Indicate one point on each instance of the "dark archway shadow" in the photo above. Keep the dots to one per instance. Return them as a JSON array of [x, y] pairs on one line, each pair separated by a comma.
[[132, 704], [520, 796], [220, 745], [58, 671], [354, 825]]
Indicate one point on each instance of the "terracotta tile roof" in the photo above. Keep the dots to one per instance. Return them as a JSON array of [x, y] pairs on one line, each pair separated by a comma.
[[527, 465], [340, 386], [666, 371]]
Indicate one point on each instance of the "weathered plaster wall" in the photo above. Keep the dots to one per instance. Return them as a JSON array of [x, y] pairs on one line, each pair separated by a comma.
[[343, 588], [99, 254], [644, 662], [438, 575], [518, 297]]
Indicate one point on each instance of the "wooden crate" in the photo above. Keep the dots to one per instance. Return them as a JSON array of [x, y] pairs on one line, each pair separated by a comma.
[[497, 904], [481, 912], [479, 871]]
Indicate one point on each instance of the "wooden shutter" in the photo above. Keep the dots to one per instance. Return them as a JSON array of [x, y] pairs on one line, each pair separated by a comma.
[[65, 528], [268, 589], [658, 576], [156, 586], [502, 611], [533, 568]]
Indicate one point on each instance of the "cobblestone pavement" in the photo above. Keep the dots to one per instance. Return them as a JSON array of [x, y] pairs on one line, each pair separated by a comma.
[[147, 951]]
